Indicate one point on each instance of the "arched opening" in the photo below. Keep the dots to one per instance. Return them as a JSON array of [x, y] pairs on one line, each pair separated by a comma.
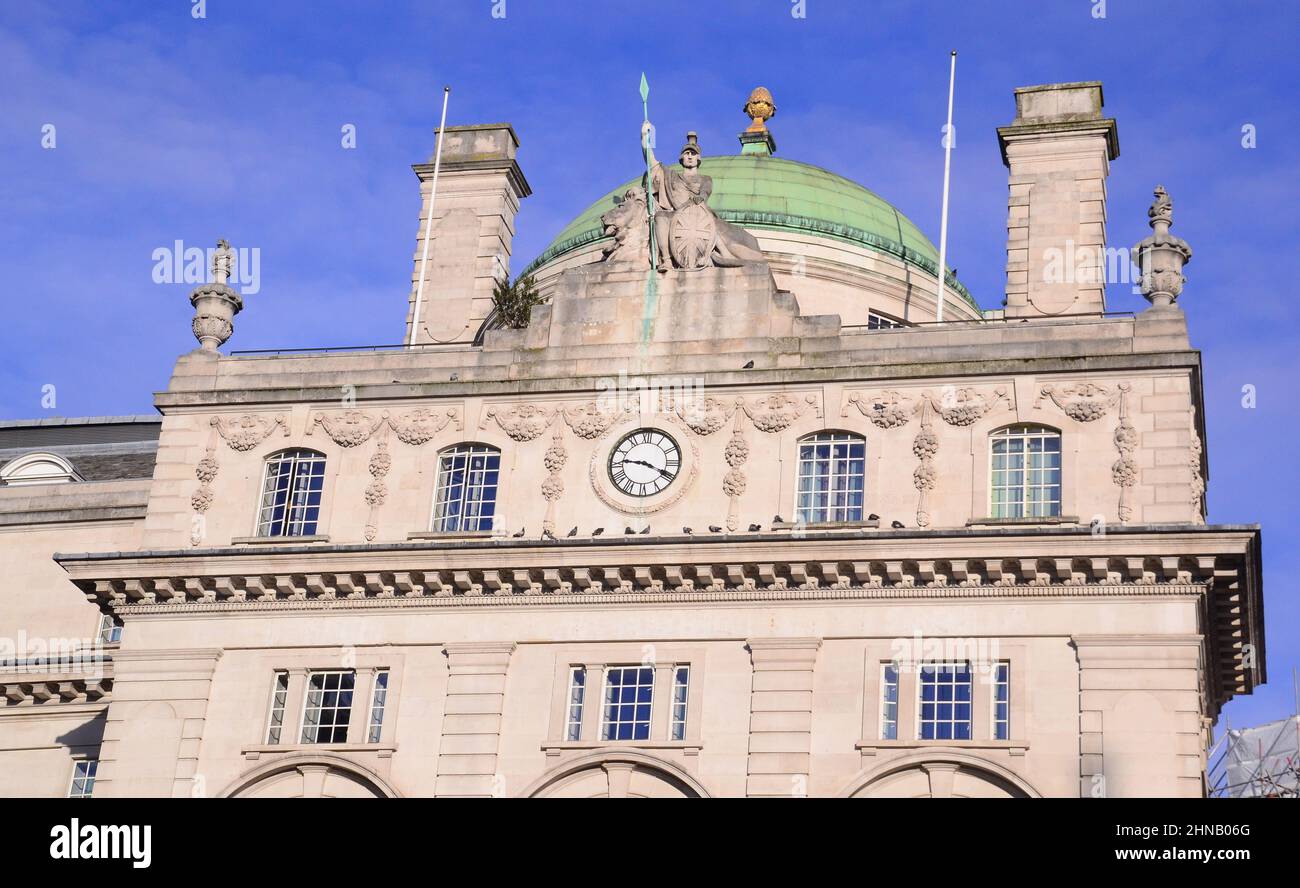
[[936, 774], [310, 777], [617, 775]]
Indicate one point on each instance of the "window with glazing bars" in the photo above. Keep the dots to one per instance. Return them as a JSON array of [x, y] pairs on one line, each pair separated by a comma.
[[832, 468], [378, 702], [577, 696], [466, 497], [945, 701], [291, 492], [328, 707], [279, 694], [681, 687], [1002, 701], [882, 322], [889, 701], [1025, 472], [628, 694], [83, 779]]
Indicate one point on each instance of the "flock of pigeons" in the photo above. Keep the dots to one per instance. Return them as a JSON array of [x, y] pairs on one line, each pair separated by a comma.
[[713, 528]]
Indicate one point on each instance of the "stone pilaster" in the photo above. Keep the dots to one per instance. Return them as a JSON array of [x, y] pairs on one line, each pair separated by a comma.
[[471, 720], [1058, 152], [1140, 715], [154, 727], [780, 715], [479, 189]]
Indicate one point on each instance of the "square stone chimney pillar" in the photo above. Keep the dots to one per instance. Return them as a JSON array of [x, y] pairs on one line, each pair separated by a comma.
[[479, 189], [1058, 152]]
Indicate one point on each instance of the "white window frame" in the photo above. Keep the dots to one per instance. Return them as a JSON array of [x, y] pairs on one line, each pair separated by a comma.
[[606, 724], [471, 494], [1025, 432], [953, 721], [110, 630], [306, 698], [887, 723], [575, 703], [882, 321], [680, 702], [829, 513], [87, 778], [290, 526], [1001, 679], [278, 703], [378, 706]]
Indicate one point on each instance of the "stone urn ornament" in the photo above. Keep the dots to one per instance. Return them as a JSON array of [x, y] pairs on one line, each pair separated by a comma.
[[1161, 257], [216, 303]]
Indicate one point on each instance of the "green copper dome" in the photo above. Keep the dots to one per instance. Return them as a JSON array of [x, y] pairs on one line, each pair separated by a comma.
[[762, 192]]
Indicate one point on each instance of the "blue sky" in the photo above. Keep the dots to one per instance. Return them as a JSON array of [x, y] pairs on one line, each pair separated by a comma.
[[175, 128]]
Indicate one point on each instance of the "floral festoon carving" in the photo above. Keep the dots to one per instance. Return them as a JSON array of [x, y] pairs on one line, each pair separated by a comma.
[[206, 472], [734, 481], [704, 416], [419, 426], [247, 431], [589, 421], [522, 422], [1081, 401], [925, 445], [377, 491], [776, 413], [1194, 458], [1124, 471], [886, 410], [348, 428], [965, 406], [553, 485]]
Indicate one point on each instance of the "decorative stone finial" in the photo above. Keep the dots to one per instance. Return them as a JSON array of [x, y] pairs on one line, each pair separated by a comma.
[[760, 108], [1161, 257], [216, 303]]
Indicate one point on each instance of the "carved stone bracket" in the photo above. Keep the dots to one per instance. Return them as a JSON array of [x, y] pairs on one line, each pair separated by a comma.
[[348, 428], [1081, 401], [522, 422], [247, 431]]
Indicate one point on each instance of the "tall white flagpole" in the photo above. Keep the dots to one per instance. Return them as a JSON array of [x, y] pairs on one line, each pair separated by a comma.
[[947, 168], [428, 219]]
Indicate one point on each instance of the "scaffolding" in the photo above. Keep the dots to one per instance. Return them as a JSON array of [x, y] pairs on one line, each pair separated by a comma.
[[1257, 763]]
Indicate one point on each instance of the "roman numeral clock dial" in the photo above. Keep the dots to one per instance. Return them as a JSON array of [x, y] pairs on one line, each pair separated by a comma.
[[645, 462]]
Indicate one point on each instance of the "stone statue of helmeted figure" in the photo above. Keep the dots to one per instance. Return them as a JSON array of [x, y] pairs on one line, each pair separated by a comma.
[[688, 234]]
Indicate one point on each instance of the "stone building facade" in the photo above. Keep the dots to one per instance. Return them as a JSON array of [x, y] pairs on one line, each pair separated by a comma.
[[741, 527]]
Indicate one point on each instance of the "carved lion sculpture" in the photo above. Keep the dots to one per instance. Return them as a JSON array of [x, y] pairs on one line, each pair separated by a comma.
[[627, 223]]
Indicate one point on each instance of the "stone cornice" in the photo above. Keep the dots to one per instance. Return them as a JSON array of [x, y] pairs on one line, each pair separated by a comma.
[[1218, 564], [859, 364]]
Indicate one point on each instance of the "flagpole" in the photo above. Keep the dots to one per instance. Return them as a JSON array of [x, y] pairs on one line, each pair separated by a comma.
[[428, 219], [947, 168]]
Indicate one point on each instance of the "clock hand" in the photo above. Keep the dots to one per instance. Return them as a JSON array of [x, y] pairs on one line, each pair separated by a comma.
[[641, 462]]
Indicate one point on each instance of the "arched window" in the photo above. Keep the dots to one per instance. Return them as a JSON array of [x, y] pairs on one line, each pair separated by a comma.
[[832, 467], [291, 490], [38, 468], [1025, 472], [466, 496]]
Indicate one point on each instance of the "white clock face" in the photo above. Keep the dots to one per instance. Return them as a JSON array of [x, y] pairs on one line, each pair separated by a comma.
[[644, 462]]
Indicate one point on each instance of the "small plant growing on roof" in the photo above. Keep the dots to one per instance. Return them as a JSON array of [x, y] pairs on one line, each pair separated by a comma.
[[514, 302]]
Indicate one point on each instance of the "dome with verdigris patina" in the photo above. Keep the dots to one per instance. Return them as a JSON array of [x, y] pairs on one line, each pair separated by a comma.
[[766, 194]]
